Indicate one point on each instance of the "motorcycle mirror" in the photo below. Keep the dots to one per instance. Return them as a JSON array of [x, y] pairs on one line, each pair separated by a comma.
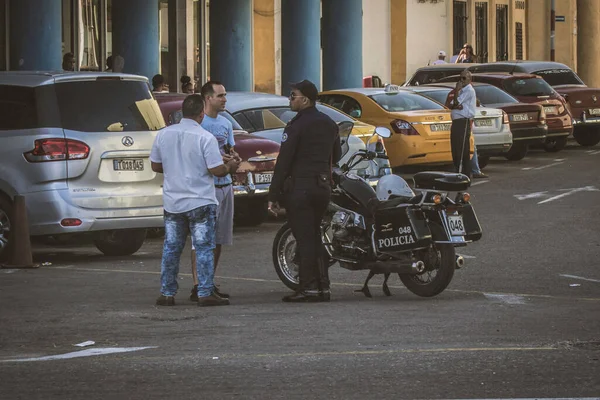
[[383, 132]]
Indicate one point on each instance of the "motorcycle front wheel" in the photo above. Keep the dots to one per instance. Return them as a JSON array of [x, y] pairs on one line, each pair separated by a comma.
[[284, 251], [439, 262]]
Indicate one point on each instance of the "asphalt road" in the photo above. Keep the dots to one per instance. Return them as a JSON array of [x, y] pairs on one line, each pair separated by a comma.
[[521, 320]]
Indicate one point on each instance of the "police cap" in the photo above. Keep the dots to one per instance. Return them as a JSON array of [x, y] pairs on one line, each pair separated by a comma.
[[307, 88]]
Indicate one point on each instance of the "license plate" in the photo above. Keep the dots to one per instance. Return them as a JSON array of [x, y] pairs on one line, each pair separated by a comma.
[[594, 111], [440, 127], [135, 164], [550, 110], [457, 228], [263, 178], [484, 122], [519, 117]]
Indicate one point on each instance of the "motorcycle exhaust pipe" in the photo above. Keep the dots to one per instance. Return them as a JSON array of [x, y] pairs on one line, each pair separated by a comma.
[[460, 262]]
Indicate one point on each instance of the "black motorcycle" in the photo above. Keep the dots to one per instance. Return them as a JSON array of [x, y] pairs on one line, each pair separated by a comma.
[[390, 229]]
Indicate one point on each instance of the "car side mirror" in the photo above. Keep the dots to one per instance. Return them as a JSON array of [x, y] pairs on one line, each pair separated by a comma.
[[383, 132]]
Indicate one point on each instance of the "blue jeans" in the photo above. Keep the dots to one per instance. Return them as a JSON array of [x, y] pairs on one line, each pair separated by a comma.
[[200, 222], [475, 163]]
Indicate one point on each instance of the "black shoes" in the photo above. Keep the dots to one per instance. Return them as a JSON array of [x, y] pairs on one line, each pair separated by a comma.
[[165, 300], [480, 175], [194, 293], [212, 300], [308, 296]]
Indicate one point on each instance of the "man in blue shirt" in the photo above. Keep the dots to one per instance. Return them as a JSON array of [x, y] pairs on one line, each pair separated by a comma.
[[215, 98], [463, 111]]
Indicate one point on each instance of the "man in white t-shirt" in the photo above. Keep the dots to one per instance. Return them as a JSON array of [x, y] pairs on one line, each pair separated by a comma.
[[441, 58], [189, 158]]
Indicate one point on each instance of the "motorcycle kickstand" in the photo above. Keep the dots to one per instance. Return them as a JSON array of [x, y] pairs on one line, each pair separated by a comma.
[[386, 289], [365, 289]]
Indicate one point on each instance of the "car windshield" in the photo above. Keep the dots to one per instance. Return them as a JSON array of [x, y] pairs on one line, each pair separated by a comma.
[[399, 102], [437, 95], [527, 87], [488, 94], [92, 106], [556, 77]]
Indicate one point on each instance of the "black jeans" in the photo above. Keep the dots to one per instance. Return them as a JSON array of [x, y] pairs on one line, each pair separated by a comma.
[[460, 135], [306, 204]]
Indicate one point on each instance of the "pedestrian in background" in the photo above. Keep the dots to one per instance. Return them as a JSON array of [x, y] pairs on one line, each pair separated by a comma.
[[466, 55], [215, 98], [159, 85], [463, 107], [441, 58], [68, 63], [189, 158], [186, 84], [302, 183]]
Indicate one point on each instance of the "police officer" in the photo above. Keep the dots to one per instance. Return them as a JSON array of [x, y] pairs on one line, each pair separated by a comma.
[[302, 183]]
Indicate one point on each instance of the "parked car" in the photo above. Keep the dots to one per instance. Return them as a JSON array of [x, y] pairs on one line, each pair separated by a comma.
[[583, 101], [491, 126], [266, 115], [420, 125], [77, 146], [527, 121], [529, 88], [433, 73], [252, 180]]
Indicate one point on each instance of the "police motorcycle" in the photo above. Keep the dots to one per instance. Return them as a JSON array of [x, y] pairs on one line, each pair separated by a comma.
[[391, 229]]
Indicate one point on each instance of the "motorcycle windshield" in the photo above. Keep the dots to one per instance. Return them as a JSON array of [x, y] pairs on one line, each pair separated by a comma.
[[345, 130]]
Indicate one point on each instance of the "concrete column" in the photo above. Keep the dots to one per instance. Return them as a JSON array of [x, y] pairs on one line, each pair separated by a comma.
[[342, 44], [300, 42], [135, 35], [588, 46], [398, 17], [231, 43], [35, 35]]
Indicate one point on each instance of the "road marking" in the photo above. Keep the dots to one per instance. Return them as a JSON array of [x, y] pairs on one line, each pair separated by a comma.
[[549, 165], [526, 168], [466, 256], [399, 351], [595, 152], [479, 183], [570, 192], [83, 353], [506, 298], [560, 159], [530, 195], [236, 278], [539, 398], [8, 271], [580, 278]]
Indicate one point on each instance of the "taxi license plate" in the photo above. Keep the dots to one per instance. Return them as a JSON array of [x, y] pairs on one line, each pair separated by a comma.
[[594, 111], [133, 164], [440, 127], [263, 178], [519, 117], [457, 227], [550, 110], [484, 122]]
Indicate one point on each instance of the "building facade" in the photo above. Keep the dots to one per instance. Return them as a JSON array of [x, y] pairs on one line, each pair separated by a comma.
[[263, 45]]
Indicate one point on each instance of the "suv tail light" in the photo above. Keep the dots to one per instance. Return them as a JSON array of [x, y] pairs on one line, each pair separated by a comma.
[[505, 119], [404, 128], [542, 117], [57, 150]]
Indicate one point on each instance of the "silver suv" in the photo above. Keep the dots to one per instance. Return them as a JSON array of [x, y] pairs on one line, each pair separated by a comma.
[[77, 146]]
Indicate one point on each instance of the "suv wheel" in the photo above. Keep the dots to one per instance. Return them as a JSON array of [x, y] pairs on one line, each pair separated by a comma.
[[587, 138], [120, 242], [6, 213], [554, 145]]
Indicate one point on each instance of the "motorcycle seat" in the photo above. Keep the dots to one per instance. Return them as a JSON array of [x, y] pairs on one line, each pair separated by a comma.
[[443, 181]]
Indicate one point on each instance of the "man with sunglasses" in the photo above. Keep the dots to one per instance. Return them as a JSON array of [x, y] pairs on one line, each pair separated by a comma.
[[302, 182], [463, 111]]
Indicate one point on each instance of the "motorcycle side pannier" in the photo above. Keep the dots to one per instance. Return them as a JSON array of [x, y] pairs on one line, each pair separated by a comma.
[[442, 181], [401, 228]]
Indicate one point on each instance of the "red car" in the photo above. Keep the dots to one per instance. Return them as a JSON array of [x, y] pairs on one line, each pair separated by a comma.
[[252, 180], [529, 88], [583, 101]]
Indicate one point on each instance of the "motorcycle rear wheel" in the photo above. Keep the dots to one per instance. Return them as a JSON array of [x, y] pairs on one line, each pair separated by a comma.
[[284, 251], [436, 278]]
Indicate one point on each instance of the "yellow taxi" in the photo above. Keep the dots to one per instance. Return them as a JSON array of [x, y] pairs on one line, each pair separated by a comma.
[[420, 126]]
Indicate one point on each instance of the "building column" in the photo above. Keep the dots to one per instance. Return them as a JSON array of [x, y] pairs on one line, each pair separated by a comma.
[[300, 42], [398, 16], [135, 36], [588, 46], [231, 44], [35, 35], [342, 44]]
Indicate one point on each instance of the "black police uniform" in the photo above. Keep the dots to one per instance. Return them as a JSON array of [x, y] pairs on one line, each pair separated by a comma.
[[302, 183]]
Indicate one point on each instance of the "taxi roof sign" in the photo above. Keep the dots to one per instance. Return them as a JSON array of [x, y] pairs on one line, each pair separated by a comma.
[[389, 88]]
